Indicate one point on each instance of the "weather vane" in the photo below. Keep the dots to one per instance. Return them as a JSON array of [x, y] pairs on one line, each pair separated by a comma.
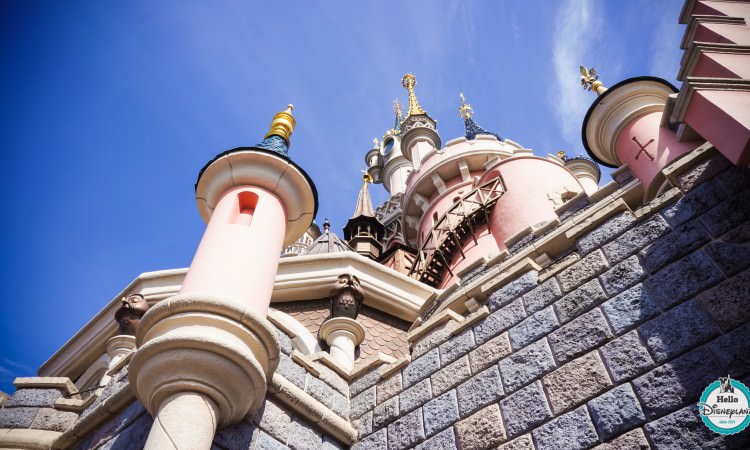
[[465, 110], [590, 80]]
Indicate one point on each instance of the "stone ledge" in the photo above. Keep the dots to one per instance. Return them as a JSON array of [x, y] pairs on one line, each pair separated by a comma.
[[312, 410], [439, 319], [470, 320], [27, 439], [62, 383], [395, 367], [371, 363]]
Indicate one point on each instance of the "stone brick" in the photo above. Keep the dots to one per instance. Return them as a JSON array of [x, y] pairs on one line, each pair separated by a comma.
[[133, 436], [364, 424], [678, 330], [489, 353], [572, 431], [702, 172], [364, 382], [676, 383], [605, 232], [108, 430], [532, 328], [375, 441], [440, 412], [626, 357], [632, 440], [520, 443], [727, 303], [542, 295], [450, 376], [525, 409], [329, 444], [695, 202], [445, 440], [633, 240], [385, 413], [728, 214], [616, 411], [303, 437], [730, 257], [731, 350], [421, 367], [291, 371], [526, 365], [365, 401], [681, 241], [319, 390], [54, 420], [274, 420], [739, 235], [576, 382], [585, 269], [285, 343], [20, 417], [333, 379], [479, 391], [580, 300], [630, 308], [406, 431], [512, 290], [33, 397], [457, 346], [432, 339], [683, 279], [579, 336], [241, 435], [481, 430], [389, 387], [499, 321], [341, 405], [734, 179], [684, 429], [415, 396], [623, 275]]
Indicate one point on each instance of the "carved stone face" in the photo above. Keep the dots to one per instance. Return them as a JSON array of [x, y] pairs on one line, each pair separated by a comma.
[[129, 315], [346, 297]]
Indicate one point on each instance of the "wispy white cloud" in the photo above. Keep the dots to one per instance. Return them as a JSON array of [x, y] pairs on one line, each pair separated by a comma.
[[578, 25]]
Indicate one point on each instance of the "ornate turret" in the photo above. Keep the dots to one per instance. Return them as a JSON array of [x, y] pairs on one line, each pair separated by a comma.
[[465, 111], [418, 130], [364, 232]]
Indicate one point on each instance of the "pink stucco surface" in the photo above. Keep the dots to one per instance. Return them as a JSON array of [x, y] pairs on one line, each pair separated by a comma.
[[722, 65], [529, 182], [723, 118], [239, 253], [723, 32], [664, 148], [729, 9]]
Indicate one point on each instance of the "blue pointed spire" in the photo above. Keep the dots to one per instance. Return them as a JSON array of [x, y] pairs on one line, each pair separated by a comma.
[[472, 129]]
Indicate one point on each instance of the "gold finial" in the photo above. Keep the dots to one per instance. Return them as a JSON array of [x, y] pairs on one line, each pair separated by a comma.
[[561, 154], [397, 109], [283, 124], [590, 80], [465, 110], [366, 178], [409, 81], [375, 143]]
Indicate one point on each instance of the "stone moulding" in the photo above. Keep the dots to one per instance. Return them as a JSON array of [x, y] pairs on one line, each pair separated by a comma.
[[208, 345], [28, 439]]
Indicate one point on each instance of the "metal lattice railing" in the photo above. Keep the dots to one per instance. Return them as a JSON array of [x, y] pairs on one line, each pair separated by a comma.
[[452, 229]]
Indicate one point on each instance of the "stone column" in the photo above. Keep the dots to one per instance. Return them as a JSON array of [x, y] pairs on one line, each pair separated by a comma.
[[204, 356], [342, 335]]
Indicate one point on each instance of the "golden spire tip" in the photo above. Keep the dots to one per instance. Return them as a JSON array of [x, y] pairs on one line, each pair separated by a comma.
[[590, 80], [283, 124], [465, 110], [408, 82]]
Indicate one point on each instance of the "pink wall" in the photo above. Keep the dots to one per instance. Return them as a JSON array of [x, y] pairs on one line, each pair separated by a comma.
[[239, 253], [722, 65], [664, 149], [729, 9], [723, 118], [529, 180]]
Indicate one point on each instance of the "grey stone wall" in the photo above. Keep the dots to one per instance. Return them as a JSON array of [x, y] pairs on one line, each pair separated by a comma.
[[610, 352]]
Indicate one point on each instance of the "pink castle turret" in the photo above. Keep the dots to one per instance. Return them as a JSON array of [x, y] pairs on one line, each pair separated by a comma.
[[205, 355]]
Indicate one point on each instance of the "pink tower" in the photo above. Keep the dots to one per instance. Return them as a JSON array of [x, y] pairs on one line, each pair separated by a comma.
[[464, 200], [205, 355]]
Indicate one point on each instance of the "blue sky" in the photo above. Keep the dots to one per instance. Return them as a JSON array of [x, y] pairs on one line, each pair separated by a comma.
[[110, 109]]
